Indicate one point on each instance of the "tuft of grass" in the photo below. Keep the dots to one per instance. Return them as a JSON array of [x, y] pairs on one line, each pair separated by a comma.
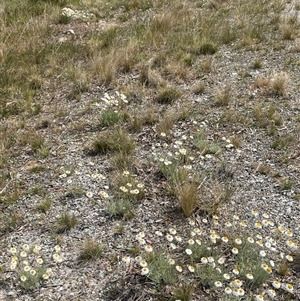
[[205, 49], [281, 142], [37, 169], [278, 83], [206, 65], [263, 168], [150, 78], [287, 31], [166, 123], [114, 141], [75, 191], [286, 183], [187, 194], [91, 250], [283, 268], [168, 95], [184, 292], [223, 96], [44, 206], [9, 223], [257, 64], [65, 222], [121, 160], [198, 88]]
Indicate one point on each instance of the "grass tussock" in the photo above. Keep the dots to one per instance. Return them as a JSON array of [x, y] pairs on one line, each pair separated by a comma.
[[65, 222], [188, 197], [168, 95], [116, 141], [91, 250]]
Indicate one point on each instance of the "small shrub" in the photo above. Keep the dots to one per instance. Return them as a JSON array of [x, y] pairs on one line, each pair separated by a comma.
[[204, 146], [160, 271], [109, 118], [286, 184], [150, 78], [119, 207], [263, 169]]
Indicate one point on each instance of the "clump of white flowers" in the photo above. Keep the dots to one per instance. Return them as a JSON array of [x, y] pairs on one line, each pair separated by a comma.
[[28, 264], [77, 14]]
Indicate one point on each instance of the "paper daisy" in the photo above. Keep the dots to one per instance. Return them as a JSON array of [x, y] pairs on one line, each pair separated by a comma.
[[32, 272], [126, 259], [228, 224], [204, 260], [148, 248], [179, 268], [250, 239], [289, 288], [188, 251], [143, 263], [172, 231], [235, 251], [225, 239], [26, 268], [271, 293], [171, 261], [218, 284], [13, 250], [23, 278], [276, 284], [57, 248], [138, 259], [221, 260], [238, 241], [169, 237], [144, 271], [191, 268], [191, 241]]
